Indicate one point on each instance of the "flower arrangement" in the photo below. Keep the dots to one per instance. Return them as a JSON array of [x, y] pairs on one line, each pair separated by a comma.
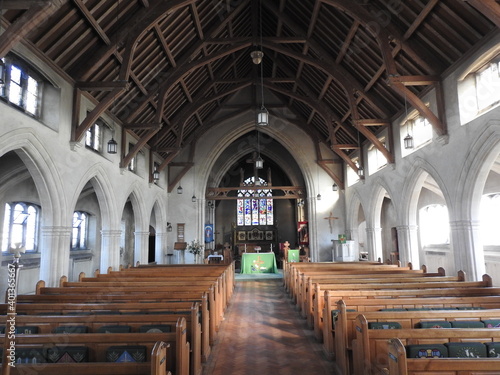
[[195, 247]]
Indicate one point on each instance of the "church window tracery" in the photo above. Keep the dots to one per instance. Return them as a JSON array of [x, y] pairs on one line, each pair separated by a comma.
[[255, 207]]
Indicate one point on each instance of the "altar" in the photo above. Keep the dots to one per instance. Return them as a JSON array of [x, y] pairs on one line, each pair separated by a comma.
[[258, 263]]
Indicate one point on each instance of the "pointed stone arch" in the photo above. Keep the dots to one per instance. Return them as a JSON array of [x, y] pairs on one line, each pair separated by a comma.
[[48, 184], [419, 171]]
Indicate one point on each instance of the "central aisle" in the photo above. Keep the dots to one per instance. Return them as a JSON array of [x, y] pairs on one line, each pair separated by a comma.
[[263, 334]]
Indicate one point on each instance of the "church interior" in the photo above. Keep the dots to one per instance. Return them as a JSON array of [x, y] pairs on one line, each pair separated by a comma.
[[189, 132]]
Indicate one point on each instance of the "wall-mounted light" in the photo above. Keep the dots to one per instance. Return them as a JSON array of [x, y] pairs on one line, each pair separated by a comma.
[[169, 227], [156, 175], [210, 204], [193, 198], [318, 197], [335, 187], [179, 190], [361, 172], [300, 203]]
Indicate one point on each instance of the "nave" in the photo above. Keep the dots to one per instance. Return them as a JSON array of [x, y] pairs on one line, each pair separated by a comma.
[[262, 333]]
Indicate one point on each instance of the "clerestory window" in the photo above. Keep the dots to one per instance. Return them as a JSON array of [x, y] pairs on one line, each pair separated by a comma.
[[22, 86]]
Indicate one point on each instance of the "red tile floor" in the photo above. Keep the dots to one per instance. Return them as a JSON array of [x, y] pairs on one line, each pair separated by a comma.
[[263, 334]]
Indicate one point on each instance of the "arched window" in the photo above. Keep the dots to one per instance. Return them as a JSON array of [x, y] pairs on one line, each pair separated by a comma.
[[434, 225], [490, 219], [255, 207], [20, 226], [80, 230]]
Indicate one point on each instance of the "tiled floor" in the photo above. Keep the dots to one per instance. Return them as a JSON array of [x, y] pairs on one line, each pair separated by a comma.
[[263, 334]]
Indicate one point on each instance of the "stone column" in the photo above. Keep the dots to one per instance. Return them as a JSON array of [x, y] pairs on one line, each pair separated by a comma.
[[408, 245], [467, 249], [110, 250], [141, 245], [161, 247], [54, 249], [374, 243]]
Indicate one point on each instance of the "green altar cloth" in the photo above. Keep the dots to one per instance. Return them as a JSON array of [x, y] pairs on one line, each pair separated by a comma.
[[258, 263], [293, 255]]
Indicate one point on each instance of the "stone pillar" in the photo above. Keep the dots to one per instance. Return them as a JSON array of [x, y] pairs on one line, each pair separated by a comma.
[[110, 250], [54, 249], [161, 247], [374, 243], [408, 245], [467, 249], [141, 245]]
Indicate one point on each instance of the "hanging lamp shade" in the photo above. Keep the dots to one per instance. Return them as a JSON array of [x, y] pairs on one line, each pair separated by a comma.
[[361, 172], [262, 117], [408, 141], [112, 146], [257, 56], [259, 163]]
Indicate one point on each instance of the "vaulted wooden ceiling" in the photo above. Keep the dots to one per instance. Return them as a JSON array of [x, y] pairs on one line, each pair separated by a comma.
[[166, 69]]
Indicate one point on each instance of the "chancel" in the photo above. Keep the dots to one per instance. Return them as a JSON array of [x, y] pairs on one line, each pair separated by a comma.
[[131, 131]]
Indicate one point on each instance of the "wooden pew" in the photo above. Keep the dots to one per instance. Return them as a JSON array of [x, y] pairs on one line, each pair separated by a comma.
[[362, 305], [98, 343], [290, 268], [157, 366], [315, 300], [124, 285], [192, 311], [207, 301], [46, 324], [345, 332], [304, 279], [318, 298], [398, 364], [371, 349]]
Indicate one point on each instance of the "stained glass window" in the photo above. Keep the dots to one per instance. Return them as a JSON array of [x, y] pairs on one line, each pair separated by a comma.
[[255, 207]]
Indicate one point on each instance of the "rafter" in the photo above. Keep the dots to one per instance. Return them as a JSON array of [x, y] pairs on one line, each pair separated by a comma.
[[29, 20]]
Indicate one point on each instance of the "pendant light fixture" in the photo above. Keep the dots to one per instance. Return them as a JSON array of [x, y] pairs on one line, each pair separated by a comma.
[[259, 162], [262, 113], [193, 198], [3, 67], [408, 140], [112, 145], [156, 174], [361, 172], [318, 197]]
